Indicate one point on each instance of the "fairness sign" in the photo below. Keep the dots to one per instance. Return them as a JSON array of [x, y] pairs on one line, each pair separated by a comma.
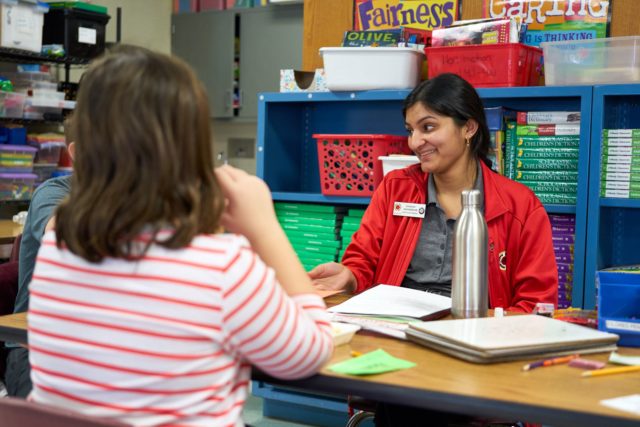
[[420, 14], [554, 20]]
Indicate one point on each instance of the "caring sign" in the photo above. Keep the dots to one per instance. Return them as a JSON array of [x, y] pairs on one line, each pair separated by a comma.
[[554, 20]]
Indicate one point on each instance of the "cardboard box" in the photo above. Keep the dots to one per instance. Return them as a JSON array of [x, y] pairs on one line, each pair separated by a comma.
[[303, 81]]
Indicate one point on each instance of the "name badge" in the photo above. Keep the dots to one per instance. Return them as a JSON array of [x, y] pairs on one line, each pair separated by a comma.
[[414, 210]]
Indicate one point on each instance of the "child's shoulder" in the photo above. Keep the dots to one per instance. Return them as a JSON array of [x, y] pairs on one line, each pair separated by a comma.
[[222, 243]]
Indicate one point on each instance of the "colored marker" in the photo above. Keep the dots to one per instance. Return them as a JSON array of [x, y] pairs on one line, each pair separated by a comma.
[[355, 353], [549, 362]]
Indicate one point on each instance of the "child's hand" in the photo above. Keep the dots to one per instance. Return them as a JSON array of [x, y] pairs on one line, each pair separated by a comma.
[[249, 207]]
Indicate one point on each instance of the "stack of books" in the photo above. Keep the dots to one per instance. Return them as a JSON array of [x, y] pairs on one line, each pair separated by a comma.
[[497, 119], [350, 225], [563, 229], [313, 230], [620, 163], [542, 153], [500, 339]]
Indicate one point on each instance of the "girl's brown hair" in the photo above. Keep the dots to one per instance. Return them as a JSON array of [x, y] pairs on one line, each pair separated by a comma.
[[143, 157]]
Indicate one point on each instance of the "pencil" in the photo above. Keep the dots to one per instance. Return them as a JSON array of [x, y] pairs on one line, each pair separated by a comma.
[[611, 371], [549, 362]]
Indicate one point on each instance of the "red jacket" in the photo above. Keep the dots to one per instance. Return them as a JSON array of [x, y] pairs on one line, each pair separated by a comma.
[[522, 267]]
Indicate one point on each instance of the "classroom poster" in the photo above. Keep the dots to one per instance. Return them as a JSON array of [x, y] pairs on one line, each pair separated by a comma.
[[554, 20], [421, 14]]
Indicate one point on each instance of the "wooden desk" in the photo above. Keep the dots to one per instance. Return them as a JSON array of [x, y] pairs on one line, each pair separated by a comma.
[[555, 395], [9, 230], [13, 328]]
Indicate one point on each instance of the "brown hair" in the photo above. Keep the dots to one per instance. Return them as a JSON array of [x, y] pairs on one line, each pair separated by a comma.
[[452, 96], [143, 158]]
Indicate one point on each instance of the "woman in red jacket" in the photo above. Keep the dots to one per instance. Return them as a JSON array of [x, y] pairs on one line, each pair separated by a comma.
[[445, 119]]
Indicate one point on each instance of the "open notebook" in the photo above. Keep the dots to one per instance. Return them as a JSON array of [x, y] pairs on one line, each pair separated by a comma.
[[498, 339], [390, 309], [387, 300]]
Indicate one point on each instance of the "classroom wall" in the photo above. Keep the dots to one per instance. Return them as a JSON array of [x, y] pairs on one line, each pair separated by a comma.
[[147, 23], [144, 22], [325, 21]]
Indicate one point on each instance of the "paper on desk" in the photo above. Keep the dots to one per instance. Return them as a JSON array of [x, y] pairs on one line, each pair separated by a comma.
[[387, 325], [375, 362], [386, 300], [624, 360], [629, 403]]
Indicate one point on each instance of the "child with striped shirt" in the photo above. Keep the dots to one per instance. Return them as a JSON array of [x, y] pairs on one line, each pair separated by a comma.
[[140, 309]]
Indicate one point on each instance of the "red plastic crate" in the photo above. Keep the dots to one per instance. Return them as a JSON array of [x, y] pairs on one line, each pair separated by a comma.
[[490, 65], [349, 164]]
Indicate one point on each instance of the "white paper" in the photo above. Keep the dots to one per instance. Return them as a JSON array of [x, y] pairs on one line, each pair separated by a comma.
[[625, 403], [87, 35], [624, 360], [387, 300]]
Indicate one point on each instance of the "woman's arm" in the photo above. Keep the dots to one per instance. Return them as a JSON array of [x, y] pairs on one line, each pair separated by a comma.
[[536, 276]]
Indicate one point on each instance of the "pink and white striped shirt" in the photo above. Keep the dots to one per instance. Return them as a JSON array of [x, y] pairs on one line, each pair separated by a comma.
[[169, 339]]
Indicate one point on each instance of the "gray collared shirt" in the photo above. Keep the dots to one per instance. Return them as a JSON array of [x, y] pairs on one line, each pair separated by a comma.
[[430, 267]]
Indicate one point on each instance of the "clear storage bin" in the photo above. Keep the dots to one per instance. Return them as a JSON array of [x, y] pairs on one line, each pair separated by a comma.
[[11, 104], [16, 158], [367, 68], [16, 186], [595, 61]]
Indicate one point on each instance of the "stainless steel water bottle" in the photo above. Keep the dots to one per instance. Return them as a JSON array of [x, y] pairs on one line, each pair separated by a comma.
[[469, 278]]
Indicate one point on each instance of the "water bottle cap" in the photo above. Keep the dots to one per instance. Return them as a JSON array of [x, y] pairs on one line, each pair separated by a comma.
[[471, 198]]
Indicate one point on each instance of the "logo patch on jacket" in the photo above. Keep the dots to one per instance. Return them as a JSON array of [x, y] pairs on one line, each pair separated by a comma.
[[502, 260]]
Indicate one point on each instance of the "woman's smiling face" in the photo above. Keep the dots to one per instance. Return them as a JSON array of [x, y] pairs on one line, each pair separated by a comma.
[[436, 139]]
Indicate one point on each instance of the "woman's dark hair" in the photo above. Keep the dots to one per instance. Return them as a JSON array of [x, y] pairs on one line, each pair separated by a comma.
[[452, 96], [144, 159]]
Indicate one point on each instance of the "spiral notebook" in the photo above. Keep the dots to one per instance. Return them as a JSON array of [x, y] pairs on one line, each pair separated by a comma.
[[498, 339]]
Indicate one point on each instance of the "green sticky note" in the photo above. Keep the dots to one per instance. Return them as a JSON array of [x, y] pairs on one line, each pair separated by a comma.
[[375, 362]]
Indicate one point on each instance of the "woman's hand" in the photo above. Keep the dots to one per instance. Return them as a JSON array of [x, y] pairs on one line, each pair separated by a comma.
[[332, 276]]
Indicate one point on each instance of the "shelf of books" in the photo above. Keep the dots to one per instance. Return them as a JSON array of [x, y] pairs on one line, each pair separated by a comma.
[[540, 137], [613, 228]]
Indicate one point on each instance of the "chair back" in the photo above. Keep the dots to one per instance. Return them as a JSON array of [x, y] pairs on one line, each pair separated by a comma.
[[18, 412]]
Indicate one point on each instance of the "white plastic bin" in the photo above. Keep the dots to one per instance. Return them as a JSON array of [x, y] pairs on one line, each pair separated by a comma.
[[390, 163], [595, 61], [21, 24], [368, 68]]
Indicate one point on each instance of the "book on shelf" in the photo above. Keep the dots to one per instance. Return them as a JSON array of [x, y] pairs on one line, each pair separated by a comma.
[[537, 141], [620, 142], [547, 117], [377, 38], [498, 339], [620, 176], [621, 133], [548, 129]]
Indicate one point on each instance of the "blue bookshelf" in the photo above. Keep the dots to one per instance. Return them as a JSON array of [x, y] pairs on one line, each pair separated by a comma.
[[287, 154], [613, 227]]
